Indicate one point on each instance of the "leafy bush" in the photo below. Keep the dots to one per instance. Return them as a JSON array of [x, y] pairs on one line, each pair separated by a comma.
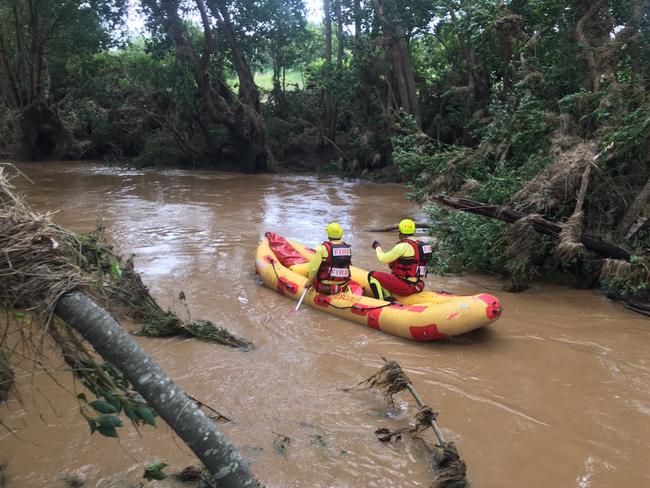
[[160, 149], [467, 242]]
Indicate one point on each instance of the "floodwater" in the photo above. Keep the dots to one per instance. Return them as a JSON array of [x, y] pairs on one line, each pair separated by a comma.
[[554, 394]]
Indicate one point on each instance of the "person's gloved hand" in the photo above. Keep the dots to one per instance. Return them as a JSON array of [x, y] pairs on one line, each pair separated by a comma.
[[375, 244]]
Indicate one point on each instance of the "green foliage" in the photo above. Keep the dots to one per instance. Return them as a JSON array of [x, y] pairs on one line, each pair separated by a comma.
[[319, 441], [160, 149], [114, 395], [432, 167], [155, 472], [467, 242], [630, 285]]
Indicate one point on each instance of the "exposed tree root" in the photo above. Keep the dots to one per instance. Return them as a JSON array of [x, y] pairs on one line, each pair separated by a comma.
[[6, 376]]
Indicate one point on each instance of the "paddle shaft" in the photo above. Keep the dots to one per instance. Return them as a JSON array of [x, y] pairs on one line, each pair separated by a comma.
[[302, 297]]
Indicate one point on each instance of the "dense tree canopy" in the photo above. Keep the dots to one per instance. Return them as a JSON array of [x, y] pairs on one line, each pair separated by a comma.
[[511, 101]]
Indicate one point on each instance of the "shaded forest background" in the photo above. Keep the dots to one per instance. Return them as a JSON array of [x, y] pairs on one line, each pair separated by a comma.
[[539, 105]]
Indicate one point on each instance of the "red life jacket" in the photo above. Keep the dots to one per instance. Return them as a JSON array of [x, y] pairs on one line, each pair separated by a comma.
[[336, 268], [415, 266]]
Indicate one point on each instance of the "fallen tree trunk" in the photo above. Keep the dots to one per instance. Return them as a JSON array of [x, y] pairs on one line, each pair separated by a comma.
[[391, 228], [185, 418], [542, 226]]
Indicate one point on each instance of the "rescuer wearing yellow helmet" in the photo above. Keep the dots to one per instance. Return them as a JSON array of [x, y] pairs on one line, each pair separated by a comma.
[[407, 261], [329, 267]]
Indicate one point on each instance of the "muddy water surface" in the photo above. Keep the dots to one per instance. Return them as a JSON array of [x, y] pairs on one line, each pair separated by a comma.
[[554, 394]]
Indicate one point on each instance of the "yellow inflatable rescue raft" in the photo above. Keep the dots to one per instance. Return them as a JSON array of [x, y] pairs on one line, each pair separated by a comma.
[[424, 316]]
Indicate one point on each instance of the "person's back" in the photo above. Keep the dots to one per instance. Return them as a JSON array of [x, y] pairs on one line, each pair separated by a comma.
[[329, 267], [407, 263]]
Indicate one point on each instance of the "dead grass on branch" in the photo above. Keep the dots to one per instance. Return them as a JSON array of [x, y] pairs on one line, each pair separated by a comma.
[[523, 244], [559, 182], [624, 270], [570, 246], [41, 261]]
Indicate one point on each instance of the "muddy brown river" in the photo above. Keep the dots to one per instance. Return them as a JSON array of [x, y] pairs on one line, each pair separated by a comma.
[[554, 394]]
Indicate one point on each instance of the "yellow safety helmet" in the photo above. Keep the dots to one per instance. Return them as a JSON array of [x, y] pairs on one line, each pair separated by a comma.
[[407, 227], [334, 231]]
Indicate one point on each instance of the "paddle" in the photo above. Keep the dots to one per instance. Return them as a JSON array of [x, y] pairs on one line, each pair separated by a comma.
[[302, 297]]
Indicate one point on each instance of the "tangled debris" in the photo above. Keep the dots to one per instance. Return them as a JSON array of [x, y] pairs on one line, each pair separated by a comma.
[[523, 245], [281, 443], [44, 269], [449, 467], [559, 183], [43, 261]]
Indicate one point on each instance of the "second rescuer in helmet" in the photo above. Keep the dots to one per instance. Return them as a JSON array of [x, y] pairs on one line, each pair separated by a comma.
[[407, 261]]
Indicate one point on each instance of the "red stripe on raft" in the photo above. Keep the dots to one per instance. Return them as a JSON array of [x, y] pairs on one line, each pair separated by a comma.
[[269, 259], [417, 308], [288, 285], [322, 300], [373, 318], [426, 333], [359, 309], [494, 308]]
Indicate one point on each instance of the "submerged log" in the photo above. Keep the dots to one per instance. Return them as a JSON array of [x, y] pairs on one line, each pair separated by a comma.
[[185, 418], [541, 225]]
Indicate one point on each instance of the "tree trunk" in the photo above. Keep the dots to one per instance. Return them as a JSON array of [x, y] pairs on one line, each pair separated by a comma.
[[602, 56], [637, 205], [37, 127], [196, 429], [405, 78], [248, 91], [357, 19], [400, 58], [541, 225], [339, 33], [328, 31], [478, 78], [38, 131], [581, 35], [244, 122]]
